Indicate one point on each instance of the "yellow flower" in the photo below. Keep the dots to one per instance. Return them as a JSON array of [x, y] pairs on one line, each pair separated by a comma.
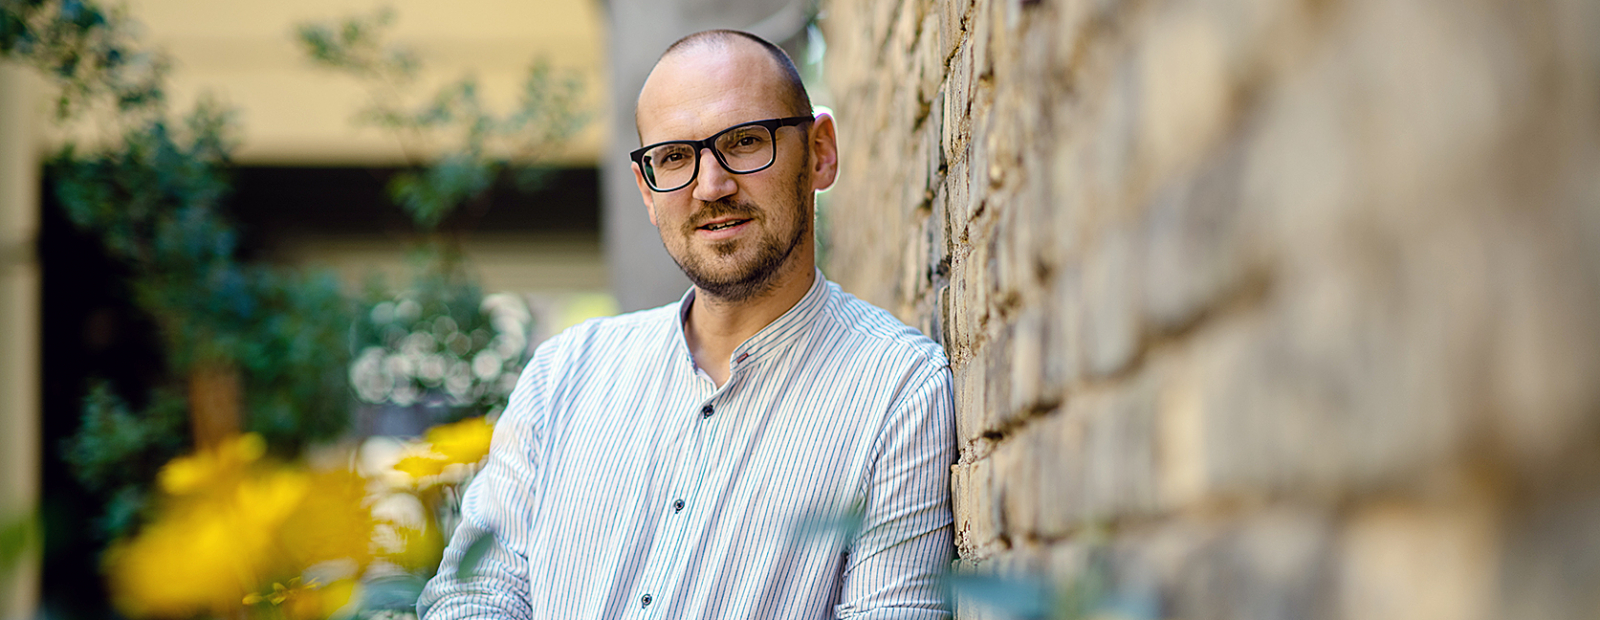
[[460, 443], [182, 564], [264, 501], [232, 526], [419, 548], [331, 522], [422, 465], [466, 441], [189, 474]]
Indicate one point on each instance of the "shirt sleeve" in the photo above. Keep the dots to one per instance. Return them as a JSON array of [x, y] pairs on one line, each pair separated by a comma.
[[498, 503], [904, 547]]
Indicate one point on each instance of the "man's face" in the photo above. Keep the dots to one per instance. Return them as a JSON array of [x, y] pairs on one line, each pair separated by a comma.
[[734, 235]]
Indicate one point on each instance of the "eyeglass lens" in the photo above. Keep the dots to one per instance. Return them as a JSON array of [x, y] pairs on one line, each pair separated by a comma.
[[741, 149]]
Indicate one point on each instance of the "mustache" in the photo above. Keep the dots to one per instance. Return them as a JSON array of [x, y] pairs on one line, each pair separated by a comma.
[[718, 209]]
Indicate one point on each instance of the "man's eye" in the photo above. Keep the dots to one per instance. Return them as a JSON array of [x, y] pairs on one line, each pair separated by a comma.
[[670, 159], [744, 143]]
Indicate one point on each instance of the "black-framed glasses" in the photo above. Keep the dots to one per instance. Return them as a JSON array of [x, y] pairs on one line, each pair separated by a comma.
[[741, 149]]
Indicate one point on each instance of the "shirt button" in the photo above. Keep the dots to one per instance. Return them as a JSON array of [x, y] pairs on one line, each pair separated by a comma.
[[677, 506], [706, 411], [644, 601]]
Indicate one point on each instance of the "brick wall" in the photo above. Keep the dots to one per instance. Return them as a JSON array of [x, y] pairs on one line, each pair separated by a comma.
[[1256, 308]]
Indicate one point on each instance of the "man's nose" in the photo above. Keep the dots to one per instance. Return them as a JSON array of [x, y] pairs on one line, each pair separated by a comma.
[[713, 182]]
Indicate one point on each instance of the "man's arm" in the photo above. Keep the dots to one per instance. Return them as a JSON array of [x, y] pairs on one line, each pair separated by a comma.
[[904, 547], [498, 504]]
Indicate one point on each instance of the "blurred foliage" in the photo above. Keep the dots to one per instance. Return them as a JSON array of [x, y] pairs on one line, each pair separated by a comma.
[[117, 451], [483, 145], [439, 344], [150, 190], [246, 528], [87, 51]]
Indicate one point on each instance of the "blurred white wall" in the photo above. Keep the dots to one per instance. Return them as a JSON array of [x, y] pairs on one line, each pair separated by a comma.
[[291, 112], [20, 110]]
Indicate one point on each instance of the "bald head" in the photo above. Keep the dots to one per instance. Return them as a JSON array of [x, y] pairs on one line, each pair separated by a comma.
[[694, 49]]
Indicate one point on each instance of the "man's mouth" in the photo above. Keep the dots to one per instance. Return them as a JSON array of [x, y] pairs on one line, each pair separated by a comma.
[[722, 224]]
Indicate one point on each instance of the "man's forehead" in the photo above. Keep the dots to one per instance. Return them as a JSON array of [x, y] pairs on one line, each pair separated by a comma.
[[714, 82]]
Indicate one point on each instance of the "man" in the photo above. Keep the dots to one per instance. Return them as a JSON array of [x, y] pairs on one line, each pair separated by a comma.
[[767, 447]]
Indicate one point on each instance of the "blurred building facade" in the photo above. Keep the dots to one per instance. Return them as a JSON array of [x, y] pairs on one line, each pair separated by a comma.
[[294, 116], [1256, 310], [308, 190], [19, 325]]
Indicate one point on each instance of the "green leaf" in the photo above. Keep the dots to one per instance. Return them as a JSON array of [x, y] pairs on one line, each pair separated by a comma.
[[474, 554]]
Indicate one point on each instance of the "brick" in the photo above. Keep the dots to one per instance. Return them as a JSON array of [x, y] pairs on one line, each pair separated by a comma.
[[1201, 245], [913, 267], [1121, 463], [1551, 546], [958, 105], [1185, 90], [957, 184], [1180, 436], [939, 245], [973, 495], [882, 20], [1110, 301], [978, 165], [917, 177], [1064, 364], [971, 415], [980, 35], [952, 26], [959, 333], [1112, 128], [1409, 560], [930, 56], [997, 354], [1004, 224], [1088, 463], [1028, 352], [932, 147], [1273, 564]]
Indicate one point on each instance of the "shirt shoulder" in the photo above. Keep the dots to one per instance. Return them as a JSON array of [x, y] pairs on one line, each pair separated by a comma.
[[875, 329]]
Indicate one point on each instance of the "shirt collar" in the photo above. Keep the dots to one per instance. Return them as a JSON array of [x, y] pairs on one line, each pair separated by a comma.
[[777, 334]]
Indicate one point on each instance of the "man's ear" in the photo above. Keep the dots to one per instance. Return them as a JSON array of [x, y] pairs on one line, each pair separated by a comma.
[[824, 152], [644, 192]]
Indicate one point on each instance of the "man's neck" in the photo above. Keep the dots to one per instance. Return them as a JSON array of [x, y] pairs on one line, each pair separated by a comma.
[[716, 327]]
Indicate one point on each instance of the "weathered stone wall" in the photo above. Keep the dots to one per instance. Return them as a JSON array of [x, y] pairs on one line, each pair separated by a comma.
[[1256, 308]]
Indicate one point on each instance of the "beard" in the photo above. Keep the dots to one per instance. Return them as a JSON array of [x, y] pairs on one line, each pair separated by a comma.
[[757, 275]]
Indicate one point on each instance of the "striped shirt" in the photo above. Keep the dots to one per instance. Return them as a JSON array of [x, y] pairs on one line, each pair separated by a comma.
[[623, 483]]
